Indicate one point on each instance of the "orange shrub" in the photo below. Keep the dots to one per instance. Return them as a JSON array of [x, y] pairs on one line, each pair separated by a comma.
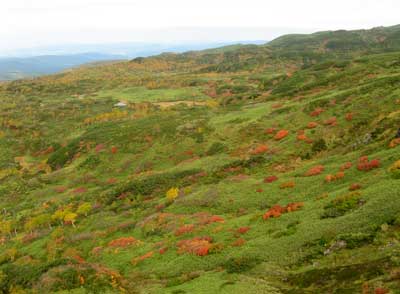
[[381, 291], [346, 165], [198, 246], [243, 230], [317, 112], [331, 121], [281, 134], [277, 210], [270, 179], [354, 187], [365, 165], [259, 149], [287, 185], [316, 170], [312, 125], [141, 258], [329, 178], [185, 229], [270, 131], [394, 143], [239, 242], [301, 137], [349, 116], [114, 150], [122, 242]]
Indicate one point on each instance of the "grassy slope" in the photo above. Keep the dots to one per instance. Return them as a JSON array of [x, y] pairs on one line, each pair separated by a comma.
[[207, 152]]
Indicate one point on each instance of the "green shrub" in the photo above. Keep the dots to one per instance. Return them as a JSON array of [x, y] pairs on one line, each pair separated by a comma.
[[343, 204]]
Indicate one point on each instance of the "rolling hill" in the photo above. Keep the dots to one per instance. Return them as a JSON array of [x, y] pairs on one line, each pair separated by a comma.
[[243, 169]]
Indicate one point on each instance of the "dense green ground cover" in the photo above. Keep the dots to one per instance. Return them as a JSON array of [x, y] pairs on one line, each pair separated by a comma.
[[184, 199]]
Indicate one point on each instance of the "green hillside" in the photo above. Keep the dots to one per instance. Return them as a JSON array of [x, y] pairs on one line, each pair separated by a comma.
[[245, 169]]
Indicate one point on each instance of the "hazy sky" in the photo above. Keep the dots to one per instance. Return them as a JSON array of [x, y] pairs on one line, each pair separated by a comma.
[[30, 23]]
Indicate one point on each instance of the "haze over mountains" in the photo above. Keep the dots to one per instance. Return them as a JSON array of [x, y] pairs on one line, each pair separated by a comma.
[[32, 62]]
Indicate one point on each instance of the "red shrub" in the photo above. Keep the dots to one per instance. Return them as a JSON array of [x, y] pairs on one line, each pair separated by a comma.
[[331, 121], [349, 116], [114, 150], [198, 246], [381, 291], [354, 187], [339, 175], [60, 189], [112, 181], [80, 190], [270, 179], [239, 242], [99, 148], [345, 166], [277, 210], [394, 143], [259, 190], [301, 137], [243, 230], [270, 131], [365, 165], [260, 149], [141, 258], [122, 242], [312, 125], [281, 134], [316, 170], [317, 112], [185, 229], [163, 250], [330, 178]]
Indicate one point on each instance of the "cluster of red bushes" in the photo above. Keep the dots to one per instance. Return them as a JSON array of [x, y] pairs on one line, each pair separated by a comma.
[[316, 170], [281, 134], [364, 164], [123, 242], [198, 246], [277, 210], [270, 179], [185, 229], [317, 112], [331, 178], [206, 219]]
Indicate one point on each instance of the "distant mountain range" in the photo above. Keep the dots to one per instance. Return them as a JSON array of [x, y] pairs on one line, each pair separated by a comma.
[[27, 63]]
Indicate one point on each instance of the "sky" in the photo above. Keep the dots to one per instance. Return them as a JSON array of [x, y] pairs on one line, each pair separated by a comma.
[[35, 23]]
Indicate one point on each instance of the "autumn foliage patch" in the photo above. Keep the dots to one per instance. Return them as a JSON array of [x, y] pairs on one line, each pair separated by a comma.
[[259, 149], [317, 112], [287, 185], [364, 164], [277, 210], [312, 125], [185, 229], [123, 242], [316, 170], [199, 246], [281, 134], [270, 179]]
